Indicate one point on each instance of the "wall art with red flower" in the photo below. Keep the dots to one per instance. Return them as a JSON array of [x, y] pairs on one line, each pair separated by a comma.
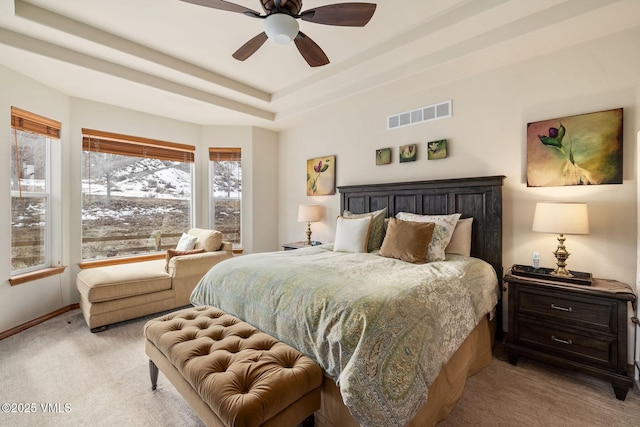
[[321, 176]]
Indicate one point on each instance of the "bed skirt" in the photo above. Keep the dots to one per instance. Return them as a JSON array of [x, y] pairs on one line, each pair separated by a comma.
[[473, 355]]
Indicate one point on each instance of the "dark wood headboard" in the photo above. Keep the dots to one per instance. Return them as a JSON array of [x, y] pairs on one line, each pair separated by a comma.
[[480, 198]]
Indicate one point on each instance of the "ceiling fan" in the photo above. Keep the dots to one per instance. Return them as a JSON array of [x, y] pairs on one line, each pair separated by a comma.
[[281, 25]]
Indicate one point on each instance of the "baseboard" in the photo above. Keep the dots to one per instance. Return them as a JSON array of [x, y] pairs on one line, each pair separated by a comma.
[[37, 321]]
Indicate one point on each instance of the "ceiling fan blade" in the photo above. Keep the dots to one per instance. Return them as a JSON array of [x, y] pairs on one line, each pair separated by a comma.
[[310, 51], [250, 47], [343, 14], [223, 5]]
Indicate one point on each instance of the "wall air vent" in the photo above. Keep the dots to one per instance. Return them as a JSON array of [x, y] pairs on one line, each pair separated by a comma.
[[419, 115]]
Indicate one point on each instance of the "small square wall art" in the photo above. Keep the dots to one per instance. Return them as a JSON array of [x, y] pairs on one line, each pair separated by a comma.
[[383, 156], [321, 176], [408, 153], [437, 149], [585, 149]]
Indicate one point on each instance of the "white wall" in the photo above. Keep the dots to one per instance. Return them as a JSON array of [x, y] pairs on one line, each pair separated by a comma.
[[50, 293], [264, 172], [28, 301], [636, 370], [259, 181], [487, 136]]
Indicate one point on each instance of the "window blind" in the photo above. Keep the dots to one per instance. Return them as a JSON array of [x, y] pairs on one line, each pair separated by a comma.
[[22, 120], [30, 122], [225, 154], [125, 145]]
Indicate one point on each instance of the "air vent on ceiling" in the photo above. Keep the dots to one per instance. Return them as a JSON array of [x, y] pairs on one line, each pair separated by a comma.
[[419, 115]]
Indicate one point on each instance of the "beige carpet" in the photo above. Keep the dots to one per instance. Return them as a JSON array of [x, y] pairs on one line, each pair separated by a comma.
[[104, 377], [104, 381], [537, 394]]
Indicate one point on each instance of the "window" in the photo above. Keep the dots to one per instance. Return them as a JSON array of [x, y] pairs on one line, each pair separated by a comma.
[[226, 193], [35, 142], [136, 194]]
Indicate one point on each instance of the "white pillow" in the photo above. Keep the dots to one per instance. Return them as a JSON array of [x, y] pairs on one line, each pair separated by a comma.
[[186, 242], [352, 234], [445, 224]]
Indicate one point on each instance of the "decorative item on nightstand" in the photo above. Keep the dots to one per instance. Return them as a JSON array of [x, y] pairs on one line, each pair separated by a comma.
[[308, 214], [561, 218]]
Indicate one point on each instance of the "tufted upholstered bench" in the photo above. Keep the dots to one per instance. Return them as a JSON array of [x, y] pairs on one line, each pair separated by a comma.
[[231, 373]]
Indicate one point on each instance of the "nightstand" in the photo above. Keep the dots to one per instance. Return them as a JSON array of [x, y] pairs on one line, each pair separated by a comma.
[[298, 245], [572, 326]]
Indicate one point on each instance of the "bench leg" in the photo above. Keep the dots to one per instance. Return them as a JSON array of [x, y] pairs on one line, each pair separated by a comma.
[[99, 329], [310, 421], [153, 371]]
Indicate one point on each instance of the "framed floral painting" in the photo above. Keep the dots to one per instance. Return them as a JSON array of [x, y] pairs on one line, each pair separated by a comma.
[[585, 149], [437, 149], [383, 156], [408, 153], [321, 176]]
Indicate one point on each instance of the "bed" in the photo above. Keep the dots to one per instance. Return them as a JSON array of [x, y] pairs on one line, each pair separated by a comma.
[[396, 340]]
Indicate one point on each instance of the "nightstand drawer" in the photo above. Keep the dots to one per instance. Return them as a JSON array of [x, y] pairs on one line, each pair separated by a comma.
[[554, 339], [596, 314], [577, 327]]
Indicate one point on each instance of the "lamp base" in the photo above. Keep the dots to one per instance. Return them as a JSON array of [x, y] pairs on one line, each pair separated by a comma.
[[561, 272], [561, 258], [309, 233]]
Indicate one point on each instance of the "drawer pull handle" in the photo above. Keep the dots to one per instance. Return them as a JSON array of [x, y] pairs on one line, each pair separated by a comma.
[[569, 342], [557, 307]]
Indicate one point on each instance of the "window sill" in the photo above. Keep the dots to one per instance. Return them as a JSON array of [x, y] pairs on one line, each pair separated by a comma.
[[126, 260], [35, 275]]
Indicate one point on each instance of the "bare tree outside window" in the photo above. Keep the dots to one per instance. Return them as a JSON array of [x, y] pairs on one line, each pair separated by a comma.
[[227, 179], [105, 166]]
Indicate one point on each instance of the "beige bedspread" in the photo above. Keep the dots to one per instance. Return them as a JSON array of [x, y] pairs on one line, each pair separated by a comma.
[[381, 328]]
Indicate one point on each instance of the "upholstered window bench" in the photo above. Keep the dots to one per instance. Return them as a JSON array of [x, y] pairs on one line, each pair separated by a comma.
[[116, 293], [231, 373]]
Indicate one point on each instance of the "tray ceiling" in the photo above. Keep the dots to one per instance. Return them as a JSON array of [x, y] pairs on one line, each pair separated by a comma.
[[173, 58]]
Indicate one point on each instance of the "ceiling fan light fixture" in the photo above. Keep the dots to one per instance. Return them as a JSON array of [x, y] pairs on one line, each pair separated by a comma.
[[281, 28]]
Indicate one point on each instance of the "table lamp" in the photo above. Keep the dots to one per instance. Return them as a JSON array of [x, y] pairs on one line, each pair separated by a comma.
[[308, 214], [561, 218]]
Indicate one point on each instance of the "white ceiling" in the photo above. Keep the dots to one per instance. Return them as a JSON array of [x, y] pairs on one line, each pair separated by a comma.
[[173, 59]]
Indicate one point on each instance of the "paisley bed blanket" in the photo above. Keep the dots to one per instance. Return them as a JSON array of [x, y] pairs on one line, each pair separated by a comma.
[[380, 327]]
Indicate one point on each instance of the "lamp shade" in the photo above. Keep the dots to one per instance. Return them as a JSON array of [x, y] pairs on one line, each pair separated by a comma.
[[308, 213], [561, 218], [281, 28]]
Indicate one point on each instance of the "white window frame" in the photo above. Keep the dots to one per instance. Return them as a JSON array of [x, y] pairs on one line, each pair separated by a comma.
[[139, 147], [212, 203], [53, 210]]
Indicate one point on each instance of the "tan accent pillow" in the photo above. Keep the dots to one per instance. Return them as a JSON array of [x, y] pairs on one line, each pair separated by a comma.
[[407, 240], [460, 242], [173, 252], [209, 240], [445, 224]]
